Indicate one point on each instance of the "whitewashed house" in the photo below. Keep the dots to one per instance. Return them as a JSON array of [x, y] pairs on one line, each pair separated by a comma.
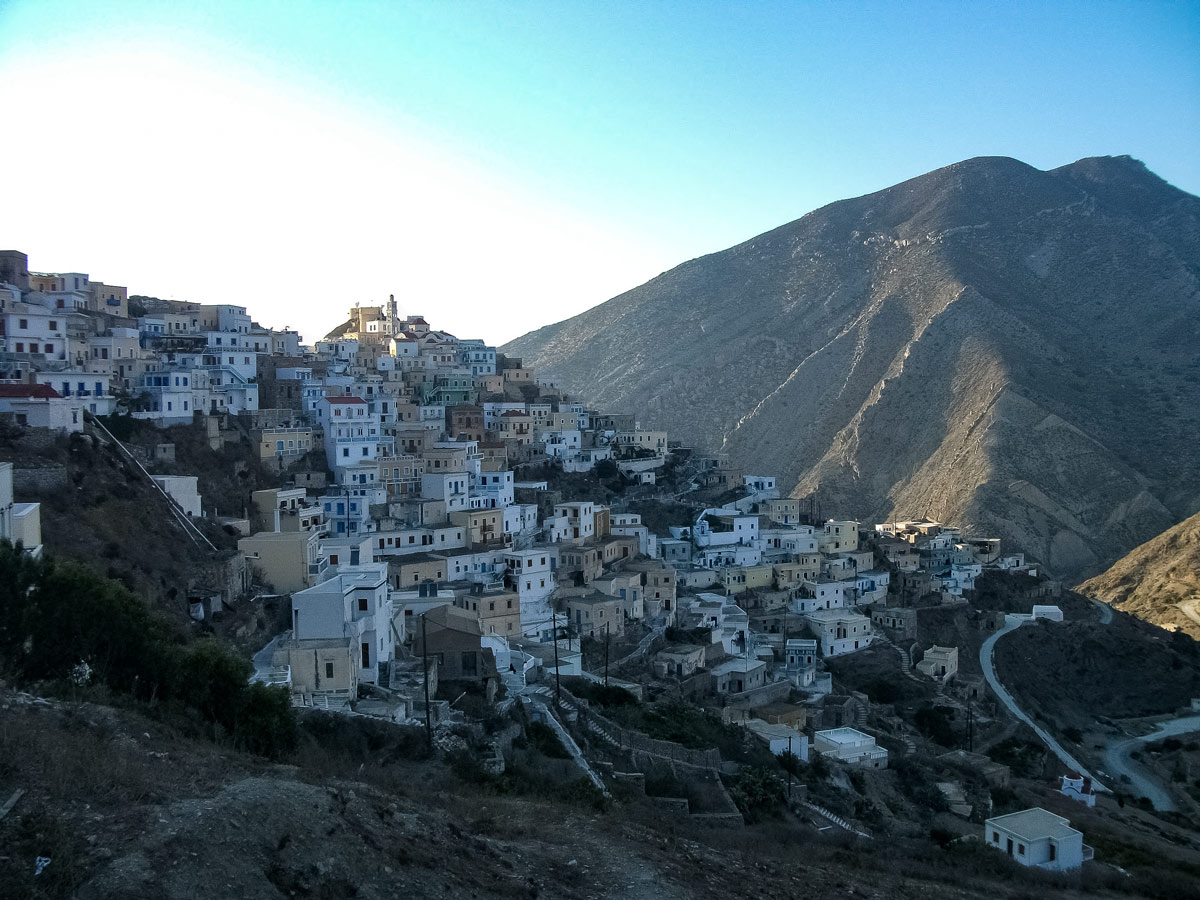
[[354, 608], [851, 746], [1037, 837]]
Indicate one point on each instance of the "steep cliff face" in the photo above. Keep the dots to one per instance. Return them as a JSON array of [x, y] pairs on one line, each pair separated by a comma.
[[988, 344], [1158, 581]]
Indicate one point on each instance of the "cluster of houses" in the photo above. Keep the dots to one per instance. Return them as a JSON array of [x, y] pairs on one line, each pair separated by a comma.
[[402, 443], [413, 554]]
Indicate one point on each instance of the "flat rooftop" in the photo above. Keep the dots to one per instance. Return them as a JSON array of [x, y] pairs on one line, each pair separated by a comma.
[[844, 735], [1034, 823]]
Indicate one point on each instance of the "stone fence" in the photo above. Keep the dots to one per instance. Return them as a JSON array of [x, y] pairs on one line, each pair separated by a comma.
[[774, 692], [39, 480], [635, 742]]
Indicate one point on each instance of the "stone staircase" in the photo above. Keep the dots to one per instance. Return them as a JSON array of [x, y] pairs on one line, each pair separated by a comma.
[[834, 818], [860, 714], [906, 667]]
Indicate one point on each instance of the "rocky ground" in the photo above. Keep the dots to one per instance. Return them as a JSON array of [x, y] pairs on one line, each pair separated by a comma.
[[123, 805]]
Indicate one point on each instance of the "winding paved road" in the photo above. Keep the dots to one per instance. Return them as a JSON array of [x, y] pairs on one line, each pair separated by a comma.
[[1012, 623], [1116, 758]]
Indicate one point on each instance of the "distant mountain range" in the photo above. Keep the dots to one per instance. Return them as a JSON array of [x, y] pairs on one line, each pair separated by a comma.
[[988, 344], [1159, 581]]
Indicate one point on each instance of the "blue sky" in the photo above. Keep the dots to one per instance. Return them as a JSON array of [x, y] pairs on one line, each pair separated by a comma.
[[503, 165]]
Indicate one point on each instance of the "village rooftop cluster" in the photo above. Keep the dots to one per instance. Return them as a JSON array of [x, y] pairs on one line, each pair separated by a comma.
[[423, 533]]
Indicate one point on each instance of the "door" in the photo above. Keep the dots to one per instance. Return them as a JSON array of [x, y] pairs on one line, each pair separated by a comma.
[[1009, 848]]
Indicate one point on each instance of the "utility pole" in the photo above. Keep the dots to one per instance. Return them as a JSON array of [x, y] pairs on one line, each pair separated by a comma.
[[789, 771], [606, 654], [557, 679], [425, 663]]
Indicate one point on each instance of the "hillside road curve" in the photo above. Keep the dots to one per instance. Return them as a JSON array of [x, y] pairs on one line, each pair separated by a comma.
[[1116, 758], [1012, 623]]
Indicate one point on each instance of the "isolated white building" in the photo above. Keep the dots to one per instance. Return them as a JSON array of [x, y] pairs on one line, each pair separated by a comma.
[[1037, 837]]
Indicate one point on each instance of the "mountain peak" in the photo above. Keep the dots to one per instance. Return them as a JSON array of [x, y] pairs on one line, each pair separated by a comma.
[[987, 343]]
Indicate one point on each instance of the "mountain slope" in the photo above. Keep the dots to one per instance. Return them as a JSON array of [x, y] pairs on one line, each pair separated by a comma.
[[988, 344], [1159, 581]]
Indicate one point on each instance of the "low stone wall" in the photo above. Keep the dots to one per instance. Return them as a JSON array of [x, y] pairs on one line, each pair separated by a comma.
[[635, 742], [768, 693], [39, 480]]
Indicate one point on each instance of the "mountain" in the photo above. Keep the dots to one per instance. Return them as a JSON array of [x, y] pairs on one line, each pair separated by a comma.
[[1159, 581], [988, 344]]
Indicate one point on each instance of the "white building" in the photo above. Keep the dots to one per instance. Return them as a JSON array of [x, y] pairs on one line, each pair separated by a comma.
[[531, 573], [20, 523], [780, 738], [353, 606], [1078, 787], [851, 746], [182, 489], [1036, 837], [840, 631], [939, 663], [581, 519], [40, 406], [352, 434]]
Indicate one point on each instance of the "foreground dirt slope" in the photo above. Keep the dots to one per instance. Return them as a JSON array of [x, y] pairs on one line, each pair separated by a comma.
[[125, 807], [1159, 581], [986, 344]]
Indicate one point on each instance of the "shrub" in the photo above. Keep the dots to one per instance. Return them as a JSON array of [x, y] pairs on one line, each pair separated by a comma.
[[758, 792], [543, 739], [52, 616], [882, 690], [265, 723], [934, 723]]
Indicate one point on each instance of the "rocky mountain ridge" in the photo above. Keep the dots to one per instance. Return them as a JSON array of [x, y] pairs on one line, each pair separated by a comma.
[[987, 344], [1158, 581]]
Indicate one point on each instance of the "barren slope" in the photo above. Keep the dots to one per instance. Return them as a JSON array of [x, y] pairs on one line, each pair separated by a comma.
[[1159, 581], [988, 344]]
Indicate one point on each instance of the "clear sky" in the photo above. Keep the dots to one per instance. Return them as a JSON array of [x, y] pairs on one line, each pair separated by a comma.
[[500, 166]]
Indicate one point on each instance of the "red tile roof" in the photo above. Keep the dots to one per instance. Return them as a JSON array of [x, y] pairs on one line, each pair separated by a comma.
[[346, 400], [38, 391]]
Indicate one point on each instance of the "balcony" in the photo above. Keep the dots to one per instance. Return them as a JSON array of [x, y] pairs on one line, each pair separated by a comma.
[[1089, 853]]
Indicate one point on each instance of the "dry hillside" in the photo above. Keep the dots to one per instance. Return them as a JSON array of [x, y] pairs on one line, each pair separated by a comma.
[[988, 344], [1159, 581]]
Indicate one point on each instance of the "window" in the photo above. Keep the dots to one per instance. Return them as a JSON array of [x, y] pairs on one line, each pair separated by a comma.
[[366, 655], [53, 325], [1053, 852], [362, 604], [328, 670], [1020, 849]]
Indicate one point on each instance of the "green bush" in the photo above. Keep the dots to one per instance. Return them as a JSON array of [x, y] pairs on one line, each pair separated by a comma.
[[543, 739], [265, 723], [881, 690], [758, 792], [934, 723], [54, 615]]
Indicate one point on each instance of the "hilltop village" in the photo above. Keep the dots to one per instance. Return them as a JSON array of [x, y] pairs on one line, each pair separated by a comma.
[[453, 541]]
